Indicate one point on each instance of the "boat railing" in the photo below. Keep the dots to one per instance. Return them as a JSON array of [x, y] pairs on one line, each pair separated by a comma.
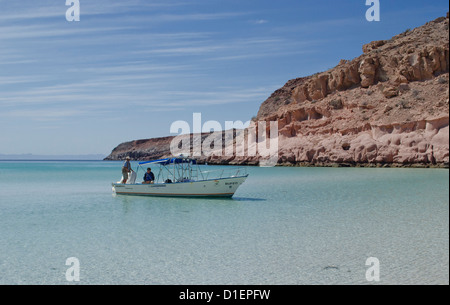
[[224, 173]]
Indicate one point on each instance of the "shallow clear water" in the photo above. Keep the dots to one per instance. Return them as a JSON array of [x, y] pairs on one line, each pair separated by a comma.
[[284, 226]]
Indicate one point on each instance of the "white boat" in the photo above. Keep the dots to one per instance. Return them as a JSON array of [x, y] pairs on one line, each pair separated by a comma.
[[182, 177]]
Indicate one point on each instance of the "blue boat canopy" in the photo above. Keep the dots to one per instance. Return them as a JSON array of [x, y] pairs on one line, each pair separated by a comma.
[[170, 161]]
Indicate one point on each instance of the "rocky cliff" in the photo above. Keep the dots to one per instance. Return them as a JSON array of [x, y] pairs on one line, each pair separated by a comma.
[[388, 107]]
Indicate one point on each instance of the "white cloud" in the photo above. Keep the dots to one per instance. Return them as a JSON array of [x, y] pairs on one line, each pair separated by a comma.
[[260, 21], [37, 32], [195, 17], [10, 80]]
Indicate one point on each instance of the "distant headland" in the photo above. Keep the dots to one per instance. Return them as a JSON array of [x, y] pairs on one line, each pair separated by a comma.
[[31, 157]]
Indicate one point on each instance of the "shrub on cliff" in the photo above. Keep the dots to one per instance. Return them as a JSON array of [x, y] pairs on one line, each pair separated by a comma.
[[337, 104]]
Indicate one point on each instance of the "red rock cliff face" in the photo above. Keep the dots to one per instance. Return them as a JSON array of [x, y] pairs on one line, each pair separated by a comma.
[[388, 107]]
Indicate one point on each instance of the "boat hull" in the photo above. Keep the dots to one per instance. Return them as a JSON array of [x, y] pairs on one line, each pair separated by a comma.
[[225, 187]]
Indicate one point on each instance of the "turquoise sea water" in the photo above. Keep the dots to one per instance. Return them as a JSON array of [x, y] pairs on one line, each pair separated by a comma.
[[284, 226]]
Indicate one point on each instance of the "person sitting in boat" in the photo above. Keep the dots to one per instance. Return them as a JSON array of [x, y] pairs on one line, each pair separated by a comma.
[[126, 168], [149, 177]]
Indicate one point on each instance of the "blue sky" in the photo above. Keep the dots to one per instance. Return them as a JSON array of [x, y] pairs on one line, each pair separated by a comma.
[[129, 69]]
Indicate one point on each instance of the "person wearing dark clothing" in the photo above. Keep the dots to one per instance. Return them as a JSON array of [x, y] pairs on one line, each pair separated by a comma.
[[149, 177]]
